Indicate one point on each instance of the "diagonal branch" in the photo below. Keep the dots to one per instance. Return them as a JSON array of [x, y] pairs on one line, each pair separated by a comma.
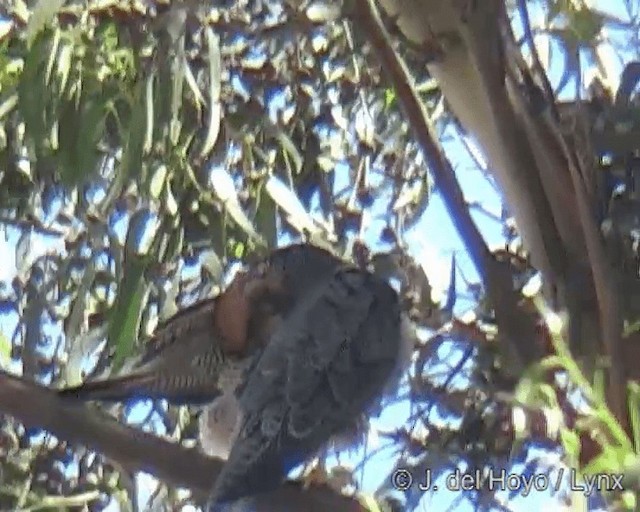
[[516, 332], [175, 465]]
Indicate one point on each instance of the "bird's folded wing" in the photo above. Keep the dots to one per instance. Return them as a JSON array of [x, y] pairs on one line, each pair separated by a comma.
[[323, 367], [181, 364]]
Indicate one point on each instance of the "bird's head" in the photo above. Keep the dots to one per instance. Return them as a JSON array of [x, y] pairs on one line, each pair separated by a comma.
[[266, 291], [293, 270]]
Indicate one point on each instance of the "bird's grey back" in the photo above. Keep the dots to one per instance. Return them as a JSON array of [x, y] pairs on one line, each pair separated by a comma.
[[323, 368]]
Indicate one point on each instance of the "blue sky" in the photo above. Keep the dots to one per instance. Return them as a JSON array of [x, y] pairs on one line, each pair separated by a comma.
[[433, 241]]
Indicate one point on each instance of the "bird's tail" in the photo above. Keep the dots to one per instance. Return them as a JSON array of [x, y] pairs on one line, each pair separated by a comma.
[[116, 389], [144, 386]]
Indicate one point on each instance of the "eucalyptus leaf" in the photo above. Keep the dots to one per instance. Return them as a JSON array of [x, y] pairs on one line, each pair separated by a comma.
[[42, 14], [287, 199], [225, 190], [215, 109]]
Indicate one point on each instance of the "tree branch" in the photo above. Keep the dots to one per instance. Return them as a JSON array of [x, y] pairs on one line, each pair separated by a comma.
[[517, 330], [36, 406]]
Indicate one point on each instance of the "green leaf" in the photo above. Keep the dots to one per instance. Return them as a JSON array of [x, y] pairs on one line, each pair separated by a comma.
[[570, 441], [170, 203], [586, 24], [135, 136], [80, 128], [67, 140], [290, 151], [33, 93], [127, 310], [369, 503], [64, 65], [148, 139], [193, 85], [225, 191], [629, 500], [634, 412], [176, 240], [239, 250], [5, 351], [287, 199], [126, 313], [610, 460], [266, 221], [90, 131], [178, 75], [157, 181], [211, 261], [42, 14], [389, 98], [8, 105], [215, 109], [52, 56]]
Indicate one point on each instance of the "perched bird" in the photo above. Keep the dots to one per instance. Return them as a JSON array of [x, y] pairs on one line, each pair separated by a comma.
[[332, 356], [283, 278], [289, 358], [200, 355], [185, 359]]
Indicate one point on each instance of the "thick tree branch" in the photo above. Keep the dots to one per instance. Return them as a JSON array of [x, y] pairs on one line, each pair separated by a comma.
[[489, 88], [604, 277], [517, 330], [175, 465]]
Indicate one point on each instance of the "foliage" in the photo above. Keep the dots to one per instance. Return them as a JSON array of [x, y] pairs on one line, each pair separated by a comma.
[[155, 144]]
